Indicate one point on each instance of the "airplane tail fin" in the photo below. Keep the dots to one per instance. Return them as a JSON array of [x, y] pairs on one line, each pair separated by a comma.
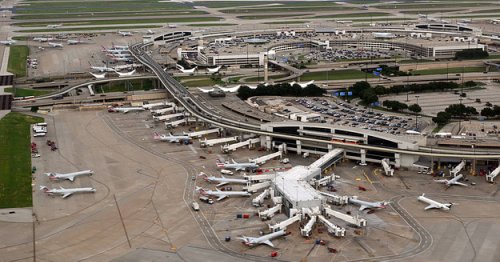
[[44, 188], [202, 174], [156, 136]]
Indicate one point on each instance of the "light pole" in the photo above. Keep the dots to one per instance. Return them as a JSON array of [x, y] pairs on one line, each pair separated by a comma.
[[473, 171], [460, 118], [416, 116], [447, 78], [417, 96]]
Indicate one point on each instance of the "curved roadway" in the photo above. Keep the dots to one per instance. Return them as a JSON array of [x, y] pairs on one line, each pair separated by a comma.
[[204, 113]]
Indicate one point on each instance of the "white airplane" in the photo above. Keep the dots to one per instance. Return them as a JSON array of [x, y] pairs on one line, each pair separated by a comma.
[[97, 76], [125, 74], [265, 239], [74, 42], [68, 176], [54, 26], [8, 42], [229, 89], [344, 21], [214, 70], [52, 44], [223, 180], [412, 132], [422, 16], [182, 69], [206, 90], [383, 35], [125, 109], [121, 59], [119, 54], [453, 181], [150, 32], [236, 166], [119, 47], [66, 192], [171, 138], [124, 33], [495, 21], [304, 85], [433, 203], [221, 194], [365, 204], [43, 39], [102, 68]]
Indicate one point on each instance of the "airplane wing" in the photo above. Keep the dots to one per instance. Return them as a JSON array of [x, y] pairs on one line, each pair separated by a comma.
[[268, 242], [459, 183], [71, 178], [430, 206], [221, 197], [441, 181], [362, 207], [67, 195], [234, 162], [125, 111], [221, 184]]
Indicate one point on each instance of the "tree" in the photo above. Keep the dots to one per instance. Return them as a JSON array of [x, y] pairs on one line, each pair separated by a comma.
[[442, 118], [368, 96], [359, 87], [415, 108], [476, 53], [487, 112], [34, 109]]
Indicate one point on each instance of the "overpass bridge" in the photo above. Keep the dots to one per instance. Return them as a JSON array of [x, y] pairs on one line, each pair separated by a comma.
[[204, 113]]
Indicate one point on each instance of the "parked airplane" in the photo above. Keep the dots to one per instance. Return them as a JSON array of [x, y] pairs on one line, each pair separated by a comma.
[[66, 192], [8, 42], [124, 33], [171, 138], [54, 26], [265, 239], [102, 68], [223, 180], [125, 74], [52, 44], [433, 203], [182, 69], [365, 204], [206, 90], [125, 109], [221, 194], [74, 42], [453, 181], [98, 76], [150, 32], [214, 70], [43, 39], [68, 176], [237, 166]]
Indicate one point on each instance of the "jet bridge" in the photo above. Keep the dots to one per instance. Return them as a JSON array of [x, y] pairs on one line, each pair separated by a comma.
[[323, 181], [256, 187], [162, 111], [491, 176], [261, 178], [332, 229], [283, 224], [458, 168], [204, 132], [388, 170], [168, 117], [91, 90], [270, 212], [257, 201], [335, 199], [307, 229], [212, 142], [328, 159], [250, 142], [175, 123], [263, 159], [353, 220]]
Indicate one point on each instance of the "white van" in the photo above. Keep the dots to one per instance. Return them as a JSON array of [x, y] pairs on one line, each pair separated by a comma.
[[195, 206], [39, 134], [41, 124]]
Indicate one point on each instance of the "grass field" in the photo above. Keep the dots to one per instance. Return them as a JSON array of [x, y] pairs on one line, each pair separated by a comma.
[[27, 92], [451, 70], [15, 170], [261, 78], [352, 15], [335, 75], [107, 14], [256, 17], [205, 25], [122, 21], [428, 5], [86, 29], [199, 82], [286, 22], [40, 7], [17, 60], [124, 86]]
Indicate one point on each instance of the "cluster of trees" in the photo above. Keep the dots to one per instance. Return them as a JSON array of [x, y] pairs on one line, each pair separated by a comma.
[[392, 71], [471, 54], [282, 89], [398, 106], [491, 111], [364, 91], [417, 88], [454, 111]]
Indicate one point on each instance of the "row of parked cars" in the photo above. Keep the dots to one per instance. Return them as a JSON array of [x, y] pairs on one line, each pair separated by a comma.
[[348, 114]]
